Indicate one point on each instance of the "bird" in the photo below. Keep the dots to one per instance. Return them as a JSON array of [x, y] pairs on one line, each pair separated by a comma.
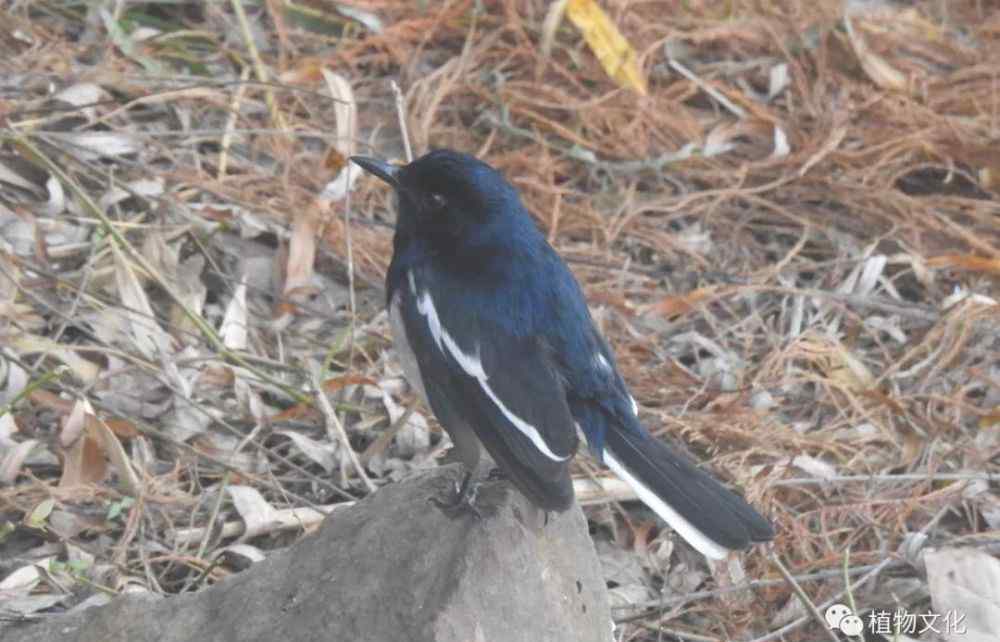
[[494, 333]]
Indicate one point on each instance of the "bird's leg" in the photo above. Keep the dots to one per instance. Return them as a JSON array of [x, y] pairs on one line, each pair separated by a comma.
[[464, 501]]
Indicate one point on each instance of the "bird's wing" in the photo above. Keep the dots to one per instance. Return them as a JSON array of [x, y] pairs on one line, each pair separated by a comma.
[[504, 386], [708, 515]]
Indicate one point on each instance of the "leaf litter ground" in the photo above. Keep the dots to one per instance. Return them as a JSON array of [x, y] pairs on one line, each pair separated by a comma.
[[792, 240]]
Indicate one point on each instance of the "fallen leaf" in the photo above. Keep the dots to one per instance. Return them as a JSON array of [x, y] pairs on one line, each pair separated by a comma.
[[413, 437], [346, 114], [815, 467], [40, 513], [616, 55], [13, 459], [25, 578], [966, 582], [24, 343], [781, 146], [876, 67], [98, 144], [51, 400], [233, 330], [336, 383], [26, 605], [965, 262], [367, 18], [123, 428], [81, 94], [324, 454], [258, 516], [300, 412], [73, 425], [57, 197], [83, 457], [677, 305], [553, 18], [128, 480], [143, 187], [151, 339], [847, 370], [301, 256]]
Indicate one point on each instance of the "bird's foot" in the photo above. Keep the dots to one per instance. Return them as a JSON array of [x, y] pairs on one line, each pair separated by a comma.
[[464, 500], [496, 474]]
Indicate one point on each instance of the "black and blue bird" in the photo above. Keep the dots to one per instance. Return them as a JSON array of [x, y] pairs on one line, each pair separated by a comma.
[[494, 333]]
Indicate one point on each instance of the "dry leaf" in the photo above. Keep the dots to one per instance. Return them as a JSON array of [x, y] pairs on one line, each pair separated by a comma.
[[336, 383], [879, 71], [81, 94], [815, 467], [24, 343], [346, 113], [151, 340], [324, 454], [413, 437], [616, 55], [73, 425], [680, 304], [553, 18], [51, 401], [258, 516], [40, 513], [301, 256], [13, 455], [123, 428], [966, 582], [97, 144], [845, 369], [298, 412], [28, 604], [83, 457], [128, 480], [25, 578], [142, 187], [965, 262], [57, 197], [781, 146], [233, 330], [367, 18]]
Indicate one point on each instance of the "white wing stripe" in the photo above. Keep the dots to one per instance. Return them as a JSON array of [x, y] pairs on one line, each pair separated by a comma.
[[529, 431], [684, 528], [473, 366]]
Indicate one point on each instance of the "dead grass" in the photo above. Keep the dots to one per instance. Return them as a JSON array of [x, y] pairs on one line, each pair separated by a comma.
[[793, 243]]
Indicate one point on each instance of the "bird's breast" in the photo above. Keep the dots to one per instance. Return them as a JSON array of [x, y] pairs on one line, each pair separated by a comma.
[[402, 344]]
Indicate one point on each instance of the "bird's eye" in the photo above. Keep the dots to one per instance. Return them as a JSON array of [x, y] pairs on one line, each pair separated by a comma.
[[437, 201]]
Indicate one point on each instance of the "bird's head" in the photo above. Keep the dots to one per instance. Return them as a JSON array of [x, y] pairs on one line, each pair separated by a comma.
[[453, 200]]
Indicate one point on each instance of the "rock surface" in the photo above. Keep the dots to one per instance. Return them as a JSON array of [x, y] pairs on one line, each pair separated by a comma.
[[393, 567]]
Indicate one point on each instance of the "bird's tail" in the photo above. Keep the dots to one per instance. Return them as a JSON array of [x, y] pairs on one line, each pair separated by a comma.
[[709, 516]]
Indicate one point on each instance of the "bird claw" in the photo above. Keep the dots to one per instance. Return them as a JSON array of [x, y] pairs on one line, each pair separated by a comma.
[[464, 500]]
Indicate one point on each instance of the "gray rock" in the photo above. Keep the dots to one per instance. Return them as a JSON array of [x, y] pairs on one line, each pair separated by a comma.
[[393, 567]]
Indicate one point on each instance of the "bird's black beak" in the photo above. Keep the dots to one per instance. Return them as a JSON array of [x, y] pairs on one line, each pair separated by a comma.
[[380, 168]]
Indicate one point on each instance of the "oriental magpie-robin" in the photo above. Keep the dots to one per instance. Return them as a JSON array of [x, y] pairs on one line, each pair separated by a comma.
[[494, 333]]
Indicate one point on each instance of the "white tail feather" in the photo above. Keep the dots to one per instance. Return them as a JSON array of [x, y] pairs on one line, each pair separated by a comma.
[[701, 542]]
